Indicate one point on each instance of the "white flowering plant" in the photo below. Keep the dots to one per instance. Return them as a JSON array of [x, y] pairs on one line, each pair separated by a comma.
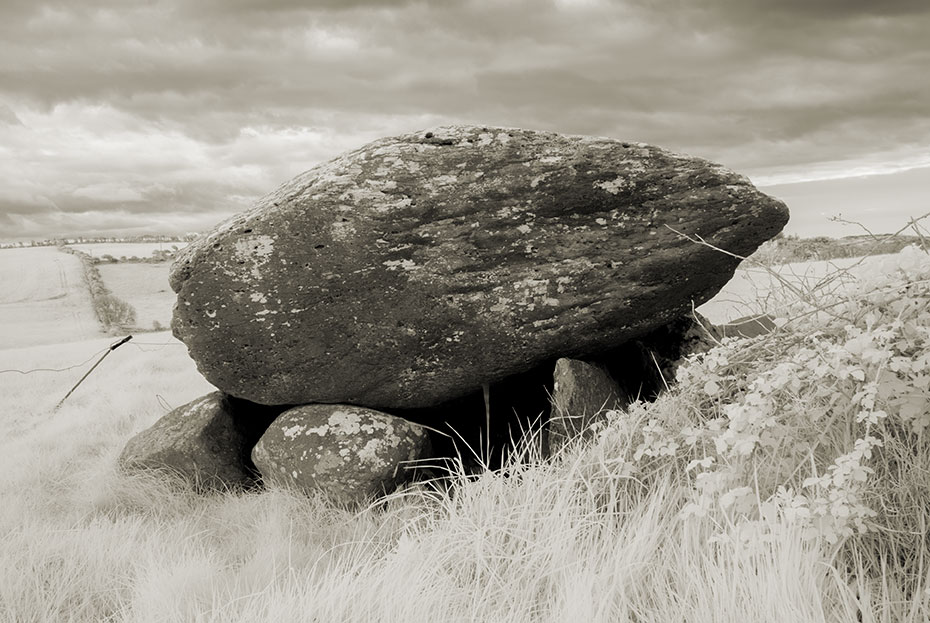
[[821, 424]]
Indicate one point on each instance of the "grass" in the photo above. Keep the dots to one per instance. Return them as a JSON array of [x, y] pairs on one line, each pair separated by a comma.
[[594, 535], [43, 298], [547, 542], [145, 288]]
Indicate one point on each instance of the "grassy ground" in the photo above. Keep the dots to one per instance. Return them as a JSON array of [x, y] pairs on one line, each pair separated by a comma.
[[144, 287], [548, 543], [43, 298], [606, 532], [758, 288]]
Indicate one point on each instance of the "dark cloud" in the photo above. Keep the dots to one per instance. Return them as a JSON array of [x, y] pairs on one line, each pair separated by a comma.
[[211, 7], [212, 103], [827, 9]]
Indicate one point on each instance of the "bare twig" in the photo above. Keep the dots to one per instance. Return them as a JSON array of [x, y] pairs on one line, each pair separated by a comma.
[[801, 294], [910, 224]]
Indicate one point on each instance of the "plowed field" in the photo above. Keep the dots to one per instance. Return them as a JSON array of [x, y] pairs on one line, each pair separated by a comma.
[[43, 298]]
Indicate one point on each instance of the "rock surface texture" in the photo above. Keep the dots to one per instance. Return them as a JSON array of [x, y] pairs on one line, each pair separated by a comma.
[[640, 369], [207, 441], [581, 392], [417, 268], [350, 453]]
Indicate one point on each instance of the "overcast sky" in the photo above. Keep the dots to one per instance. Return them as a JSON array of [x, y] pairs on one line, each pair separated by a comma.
[[131, 116]]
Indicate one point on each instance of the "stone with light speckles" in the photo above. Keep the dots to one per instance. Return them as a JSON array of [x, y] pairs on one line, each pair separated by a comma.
[[350, 453], [418, 268]]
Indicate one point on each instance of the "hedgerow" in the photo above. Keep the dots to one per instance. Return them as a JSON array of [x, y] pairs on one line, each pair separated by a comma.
[[113, 313], [822, 424], [791, 248]]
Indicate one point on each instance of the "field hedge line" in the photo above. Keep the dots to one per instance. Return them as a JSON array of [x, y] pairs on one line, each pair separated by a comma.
[[114, 314]]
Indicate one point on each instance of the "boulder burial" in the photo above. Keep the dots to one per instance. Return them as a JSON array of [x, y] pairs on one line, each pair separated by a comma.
[[420, 267]]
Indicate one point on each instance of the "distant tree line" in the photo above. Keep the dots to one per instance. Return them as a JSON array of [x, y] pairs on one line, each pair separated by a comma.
[[157, 256], [785, 249], [57, 242]]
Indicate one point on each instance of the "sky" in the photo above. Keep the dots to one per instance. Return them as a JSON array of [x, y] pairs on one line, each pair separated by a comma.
[[130, 117]]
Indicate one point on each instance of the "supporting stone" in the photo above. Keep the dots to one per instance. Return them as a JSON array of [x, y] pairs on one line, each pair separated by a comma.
[[582, 392]]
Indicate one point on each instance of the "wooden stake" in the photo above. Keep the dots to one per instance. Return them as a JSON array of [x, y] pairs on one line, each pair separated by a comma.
[[86, 374]]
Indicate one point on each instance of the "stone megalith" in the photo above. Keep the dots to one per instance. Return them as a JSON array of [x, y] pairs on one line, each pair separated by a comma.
[[641, 369], [582, 391], [417, 268], [350, 453], [207, 441]]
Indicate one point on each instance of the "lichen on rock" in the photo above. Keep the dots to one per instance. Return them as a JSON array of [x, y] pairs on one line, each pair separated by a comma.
[[418, 268], [350, 453]]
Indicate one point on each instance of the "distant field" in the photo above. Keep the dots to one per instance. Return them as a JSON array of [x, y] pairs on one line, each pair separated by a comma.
[[145, 287], [43, 299], [118, 250], [754, 289], [153, 368]]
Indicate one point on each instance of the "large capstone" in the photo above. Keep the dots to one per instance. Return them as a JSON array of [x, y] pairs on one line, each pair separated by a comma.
[[420, 267]]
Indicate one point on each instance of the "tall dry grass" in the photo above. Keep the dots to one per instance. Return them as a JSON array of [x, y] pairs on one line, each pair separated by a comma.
[[593, 535]]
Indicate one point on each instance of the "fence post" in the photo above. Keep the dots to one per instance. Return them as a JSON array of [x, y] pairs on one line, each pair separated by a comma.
[[113, 347]]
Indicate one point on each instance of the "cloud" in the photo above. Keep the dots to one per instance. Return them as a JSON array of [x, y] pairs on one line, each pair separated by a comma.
[[824, 9], [884, 201], [199, 107], [7, 116]]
